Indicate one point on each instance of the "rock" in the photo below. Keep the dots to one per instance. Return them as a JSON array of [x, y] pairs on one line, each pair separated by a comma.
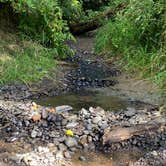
[[62, 147], [90, 139], [83, 140], [96, 120], [88, 127], [86, 132], [44, 114], [67, 155], [130, 112], [71, 125], [63, 109], [100, 111], [64, 122], [91, 110], [34, 134], [103, 124], [84, 113], [82, 158], [71, 142], [59, 155]]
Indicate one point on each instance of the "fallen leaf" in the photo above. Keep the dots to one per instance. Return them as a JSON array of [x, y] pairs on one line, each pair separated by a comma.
[[69, 133]]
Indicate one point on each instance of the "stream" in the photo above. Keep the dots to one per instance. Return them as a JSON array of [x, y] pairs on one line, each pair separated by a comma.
[[90, 83], [87, 79]]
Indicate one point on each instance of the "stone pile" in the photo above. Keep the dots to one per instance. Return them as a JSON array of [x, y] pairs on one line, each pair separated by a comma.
[[92, 129]]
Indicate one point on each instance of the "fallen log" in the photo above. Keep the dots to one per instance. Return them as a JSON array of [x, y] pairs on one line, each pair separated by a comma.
[[82, 27], [119, 134]]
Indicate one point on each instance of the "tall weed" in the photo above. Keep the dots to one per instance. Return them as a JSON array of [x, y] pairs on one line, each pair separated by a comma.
[[137, 33]]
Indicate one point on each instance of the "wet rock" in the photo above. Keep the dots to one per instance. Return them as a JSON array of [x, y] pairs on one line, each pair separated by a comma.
[[71, 142]]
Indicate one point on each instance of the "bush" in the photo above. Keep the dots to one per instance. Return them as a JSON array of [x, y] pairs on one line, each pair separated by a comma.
[[42, 21], [138, 34]]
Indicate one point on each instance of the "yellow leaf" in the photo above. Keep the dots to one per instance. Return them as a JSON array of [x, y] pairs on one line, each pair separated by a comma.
[[69, 133]]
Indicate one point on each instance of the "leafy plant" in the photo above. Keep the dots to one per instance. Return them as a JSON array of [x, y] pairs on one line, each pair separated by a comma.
[[138, 34]]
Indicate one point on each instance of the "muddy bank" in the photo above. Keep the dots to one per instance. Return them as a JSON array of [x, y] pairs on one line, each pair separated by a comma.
[[89, 130]]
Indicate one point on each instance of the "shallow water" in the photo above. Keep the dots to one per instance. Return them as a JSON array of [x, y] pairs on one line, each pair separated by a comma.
[[85, 99], [85, 79]]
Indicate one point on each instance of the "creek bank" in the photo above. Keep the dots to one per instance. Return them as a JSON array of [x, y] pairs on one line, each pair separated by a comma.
[[91, 130]]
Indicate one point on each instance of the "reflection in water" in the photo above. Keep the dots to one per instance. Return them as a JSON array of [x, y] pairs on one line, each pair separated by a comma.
[[85, 99]]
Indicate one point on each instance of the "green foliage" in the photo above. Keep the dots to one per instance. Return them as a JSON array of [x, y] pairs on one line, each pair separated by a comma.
[[42, 21], [138, 34], [29, 64], [72, 10]]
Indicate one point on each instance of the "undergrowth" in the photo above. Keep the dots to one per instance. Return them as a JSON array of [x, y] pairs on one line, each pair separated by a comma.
[[137, 35], [25, 62]]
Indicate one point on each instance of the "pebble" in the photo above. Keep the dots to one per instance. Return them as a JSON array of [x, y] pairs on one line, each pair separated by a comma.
[[82, 158], [67, 155], [34, 134]]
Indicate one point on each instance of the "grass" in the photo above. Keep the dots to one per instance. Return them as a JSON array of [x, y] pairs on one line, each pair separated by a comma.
[[136, 36], [23, 60]]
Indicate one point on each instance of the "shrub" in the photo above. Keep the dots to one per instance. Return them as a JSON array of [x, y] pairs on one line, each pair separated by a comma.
[[42, 21], [138, 34]]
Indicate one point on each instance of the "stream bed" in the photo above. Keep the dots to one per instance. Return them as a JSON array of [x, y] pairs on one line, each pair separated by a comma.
[[42, 141]]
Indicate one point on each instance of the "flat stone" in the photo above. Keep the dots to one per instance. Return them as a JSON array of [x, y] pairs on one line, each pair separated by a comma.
[[63, 109]]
